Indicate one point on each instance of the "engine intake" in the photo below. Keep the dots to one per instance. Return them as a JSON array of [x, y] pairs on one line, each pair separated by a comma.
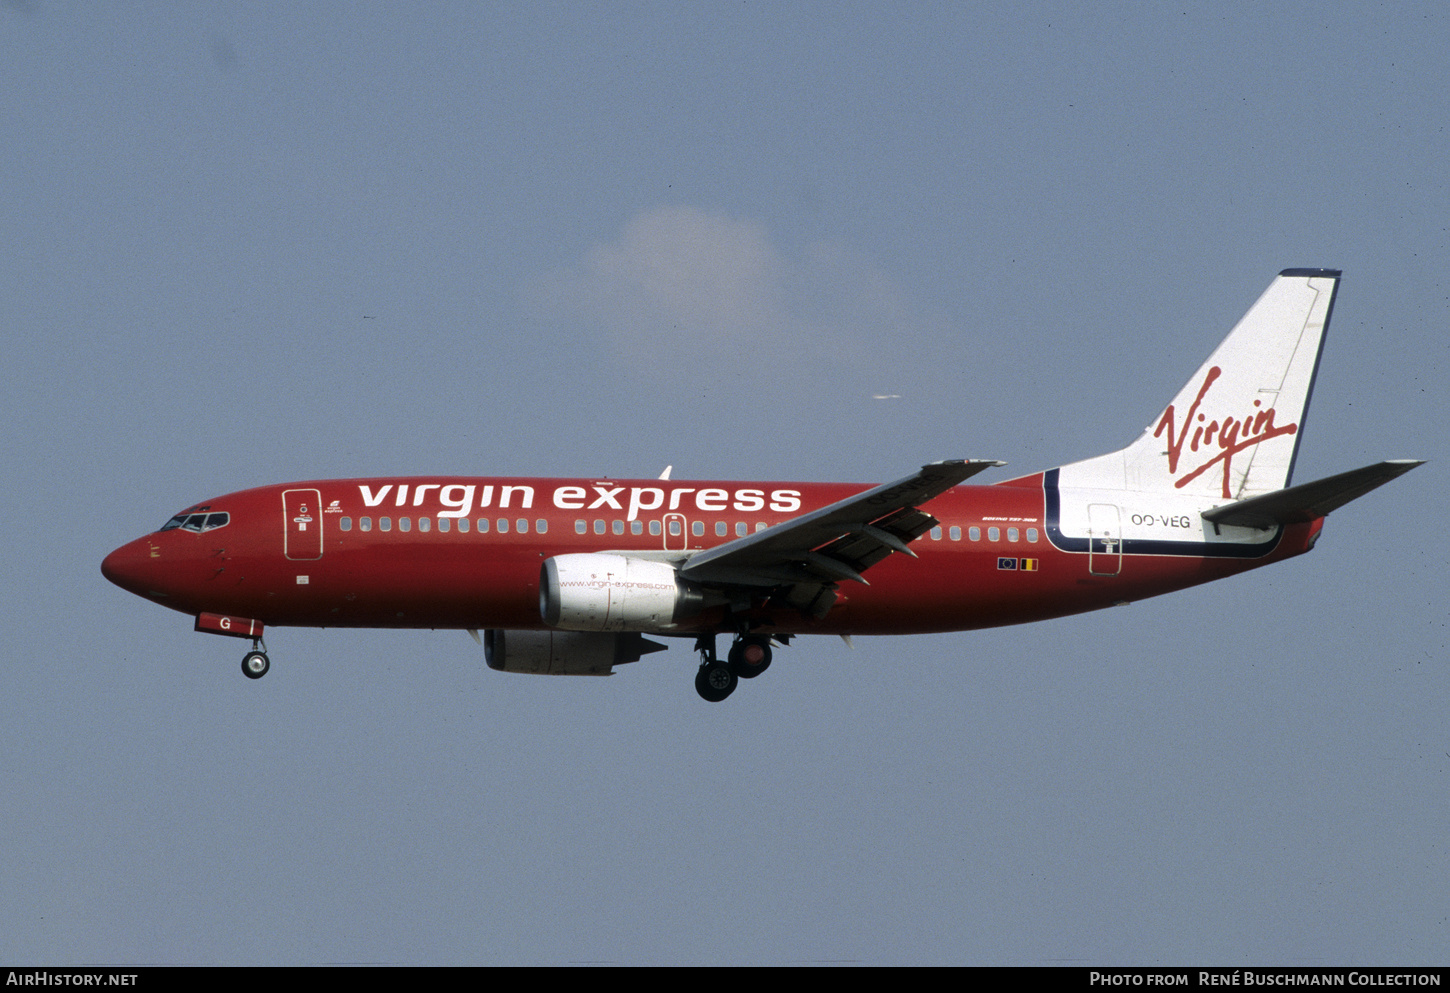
[[602, 592]]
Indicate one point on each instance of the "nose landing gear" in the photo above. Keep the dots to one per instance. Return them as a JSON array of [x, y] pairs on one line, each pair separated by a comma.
[[255, 663]]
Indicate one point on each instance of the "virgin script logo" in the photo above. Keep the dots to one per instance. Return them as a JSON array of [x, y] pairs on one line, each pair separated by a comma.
[[1226, 438]]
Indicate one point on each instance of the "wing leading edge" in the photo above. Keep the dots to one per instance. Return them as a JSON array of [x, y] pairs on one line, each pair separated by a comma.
[[810, 554]]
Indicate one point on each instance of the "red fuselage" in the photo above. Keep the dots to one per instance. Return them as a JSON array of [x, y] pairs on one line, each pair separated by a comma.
[[445, 552]]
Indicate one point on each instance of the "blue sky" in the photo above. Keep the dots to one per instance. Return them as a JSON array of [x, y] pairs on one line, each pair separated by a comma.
[[249, 245]]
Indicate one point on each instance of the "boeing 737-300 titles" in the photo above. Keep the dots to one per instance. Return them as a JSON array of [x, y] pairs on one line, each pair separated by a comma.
[[569, 576]]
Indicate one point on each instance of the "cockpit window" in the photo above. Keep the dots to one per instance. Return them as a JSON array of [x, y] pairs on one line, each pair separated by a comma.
[[192, 521]]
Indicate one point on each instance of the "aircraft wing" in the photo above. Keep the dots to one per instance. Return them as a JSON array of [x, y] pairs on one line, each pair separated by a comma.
[[811, 553]]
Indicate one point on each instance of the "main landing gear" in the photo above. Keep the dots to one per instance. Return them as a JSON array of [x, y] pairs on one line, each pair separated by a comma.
[[749, 656], [255, 663]]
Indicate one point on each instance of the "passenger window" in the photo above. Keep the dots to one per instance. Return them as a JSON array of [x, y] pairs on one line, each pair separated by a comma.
[[581, 527], [598, 527], [365, 524], [424, 523], [523, 526], [463, 524], [741, 529], [974, 533], [617, 527], [674, 529], [405, 523], [483, 525], [720, 528], [697, 528], [760, 525], [345, 523], [636, 527], [936, 534], [994, 534], [955, 534], [503, 525], [654, 528], [385, 524], [541, 526], [1011, 534], [1031, 534]]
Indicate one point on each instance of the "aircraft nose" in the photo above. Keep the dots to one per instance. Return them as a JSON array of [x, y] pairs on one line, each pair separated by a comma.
[[133, 567]]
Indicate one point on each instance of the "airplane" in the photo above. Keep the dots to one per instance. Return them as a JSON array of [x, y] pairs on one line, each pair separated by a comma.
[[568, 576]]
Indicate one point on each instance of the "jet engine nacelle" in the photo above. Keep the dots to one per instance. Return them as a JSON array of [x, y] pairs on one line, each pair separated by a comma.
[[602, 592], [563, 653]]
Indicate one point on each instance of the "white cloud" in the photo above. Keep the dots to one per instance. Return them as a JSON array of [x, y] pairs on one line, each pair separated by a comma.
[[683, 284], [677, 272]]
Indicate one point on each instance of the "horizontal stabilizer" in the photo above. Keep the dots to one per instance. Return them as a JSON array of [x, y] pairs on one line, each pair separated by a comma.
[[1308, 501]]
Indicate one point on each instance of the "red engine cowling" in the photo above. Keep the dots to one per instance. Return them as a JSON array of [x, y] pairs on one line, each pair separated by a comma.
[[602, 592], [563, 653]]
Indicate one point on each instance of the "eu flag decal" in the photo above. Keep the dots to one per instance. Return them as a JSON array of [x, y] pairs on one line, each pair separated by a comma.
[[1007, 564]]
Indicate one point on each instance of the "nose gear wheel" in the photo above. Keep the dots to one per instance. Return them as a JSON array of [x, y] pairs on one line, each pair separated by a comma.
[[255, 665]]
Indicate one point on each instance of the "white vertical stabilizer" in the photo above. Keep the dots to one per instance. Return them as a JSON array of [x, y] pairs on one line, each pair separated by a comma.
[[1233, 430]]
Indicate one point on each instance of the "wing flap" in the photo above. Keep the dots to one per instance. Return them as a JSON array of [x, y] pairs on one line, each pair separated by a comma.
[[870, 543], [838, 542]]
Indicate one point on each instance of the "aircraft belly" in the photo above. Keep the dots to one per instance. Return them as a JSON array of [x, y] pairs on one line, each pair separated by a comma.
[[364, 589], [970, 590]]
